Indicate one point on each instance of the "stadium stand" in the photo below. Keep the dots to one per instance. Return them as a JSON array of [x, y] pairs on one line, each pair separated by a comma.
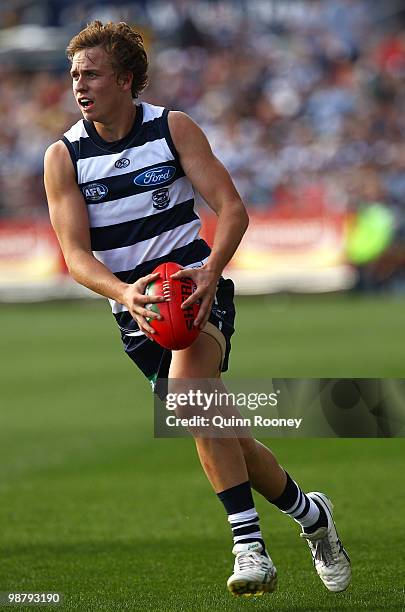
[[292, 95]]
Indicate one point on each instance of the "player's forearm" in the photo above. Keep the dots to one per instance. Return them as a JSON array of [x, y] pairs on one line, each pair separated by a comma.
[[231, 225], [88, 271]]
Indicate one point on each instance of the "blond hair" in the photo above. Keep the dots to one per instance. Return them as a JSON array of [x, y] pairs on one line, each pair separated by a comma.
[[123, 45]]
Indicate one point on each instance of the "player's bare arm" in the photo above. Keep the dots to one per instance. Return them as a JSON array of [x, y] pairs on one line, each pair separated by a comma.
[[69, 219], [212, 180]]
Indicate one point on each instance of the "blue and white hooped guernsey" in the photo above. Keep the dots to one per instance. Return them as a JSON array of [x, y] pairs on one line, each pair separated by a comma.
[[139, 201]]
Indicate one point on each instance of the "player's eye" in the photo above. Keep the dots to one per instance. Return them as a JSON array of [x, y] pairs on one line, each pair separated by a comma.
[[75, 76]]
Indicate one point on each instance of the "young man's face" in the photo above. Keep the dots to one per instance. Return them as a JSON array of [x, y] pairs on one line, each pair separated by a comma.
[[95, 86]]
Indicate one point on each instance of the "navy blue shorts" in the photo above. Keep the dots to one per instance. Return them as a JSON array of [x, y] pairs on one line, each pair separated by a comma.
[[154, 360]]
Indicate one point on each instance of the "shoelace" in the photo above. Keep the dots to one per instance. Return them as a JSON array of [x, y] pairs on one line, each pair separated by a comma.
[[325, 551], [247, 560]]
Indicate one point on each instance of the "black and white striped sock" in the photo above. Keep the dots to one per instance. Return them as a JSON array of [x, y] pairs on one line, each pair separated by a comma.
[[300, 507], [242, 515]]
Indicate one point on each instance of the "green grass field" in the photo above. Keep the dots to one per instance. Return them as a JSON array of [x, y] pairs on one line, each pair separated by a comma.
[[92, 506]]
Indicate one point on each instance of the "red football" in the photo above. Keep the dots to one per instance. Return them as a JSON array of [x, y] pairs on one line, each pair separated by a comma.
[[176, 329]]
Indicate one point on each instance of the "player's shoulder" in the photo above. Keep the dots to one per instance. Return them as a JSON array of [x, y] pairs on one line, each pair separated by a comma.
[[58, 163], [176, 119], [185, 132], [152, 111], [182, 125], [181, 118], [56, 152]]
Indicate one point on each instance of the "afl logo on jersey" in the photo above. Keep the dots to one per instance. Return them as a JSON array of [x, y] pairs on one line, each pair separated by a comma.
[[161, 198], [95, 192], [122, 163], [155, 176]]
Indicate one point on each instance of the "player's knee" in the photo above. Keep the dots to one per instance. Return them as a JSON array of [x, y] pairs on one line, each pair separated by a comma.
[[201, 360], [185, 412], [180, 397]]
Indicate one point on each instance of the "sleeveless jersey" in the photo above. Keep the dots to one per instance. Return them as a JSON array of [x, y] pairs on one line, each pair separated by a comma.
[[140, 203]]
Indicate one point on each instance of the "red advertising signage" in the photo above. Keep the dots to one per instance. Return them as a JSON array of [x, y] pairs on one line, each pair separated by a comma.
[[291, 247], [29, 252]]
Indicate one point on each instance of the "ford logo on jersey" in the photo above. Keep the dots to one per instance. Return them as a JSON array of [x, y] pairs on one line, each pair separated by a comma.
[[95, 192], [155, 176]]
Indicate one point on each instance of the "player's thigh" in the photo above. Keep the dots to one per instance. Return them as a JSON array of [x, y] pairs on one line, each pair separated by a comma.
[[202, 359]]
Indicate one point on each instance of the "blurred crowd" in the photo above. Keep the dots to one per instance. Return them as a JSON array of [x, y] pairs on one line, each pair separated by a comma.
[[290, 94]]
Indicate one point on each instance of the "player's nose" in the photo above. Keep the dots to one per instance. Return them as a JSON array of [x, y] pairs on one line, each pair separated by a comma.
[[80, 85]]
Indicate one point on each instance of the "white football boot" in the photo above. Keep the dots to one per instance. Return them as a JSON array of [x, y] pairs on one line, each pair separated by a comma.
[[253, 573], [331, 561]]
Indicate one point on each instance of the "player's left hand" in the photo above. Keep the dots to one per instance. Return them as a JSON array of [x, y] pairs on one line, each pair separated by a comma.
[[206, 281]]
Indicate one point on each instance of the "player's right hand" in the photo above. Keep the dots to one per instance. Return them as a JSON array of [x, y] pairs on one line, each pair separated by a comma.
[[135, 300]]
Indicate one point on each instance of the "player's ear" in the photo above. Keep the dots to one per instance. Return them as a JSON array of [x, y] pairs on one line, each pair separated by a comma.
[[124, 80]]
